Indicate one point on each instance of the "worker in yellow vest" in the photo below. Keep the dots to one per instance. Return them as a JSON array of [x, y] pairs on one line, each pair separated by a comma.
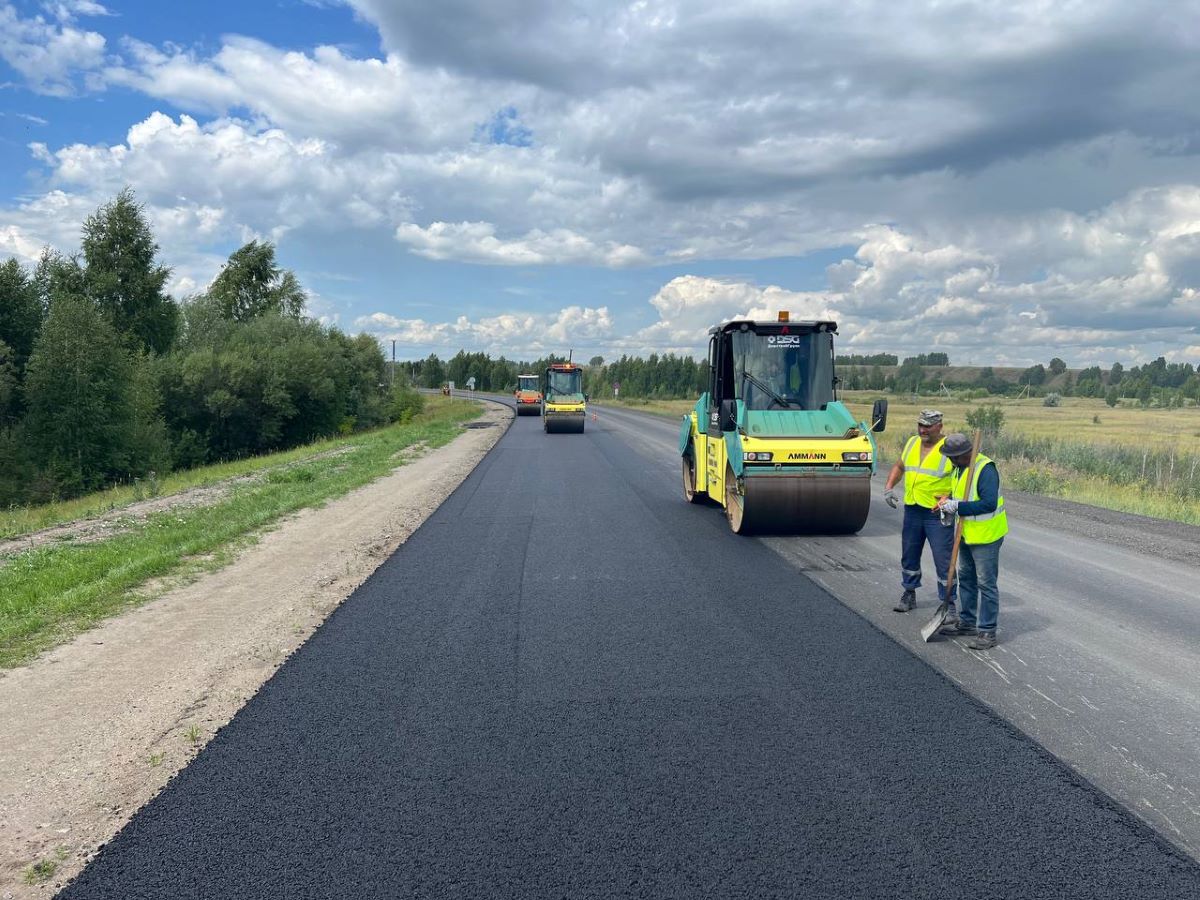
[[926, 474], [980, 507]]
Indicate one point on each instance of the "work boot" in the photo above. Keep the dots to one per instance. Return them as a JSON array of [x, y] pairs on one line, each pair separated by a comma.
[[906, 602], [984, 640], [958, 629]]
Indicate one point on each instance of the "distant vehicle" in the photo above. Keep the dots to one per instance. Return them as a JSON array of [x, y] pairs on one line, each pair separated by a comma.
[[528, 395], [769, 440], [564, 405]]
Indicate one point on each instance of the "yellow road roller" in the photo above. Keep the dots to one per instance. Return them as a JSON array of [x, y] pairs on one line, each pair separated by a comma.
[[770, 442], [528, 396], [564, 405]]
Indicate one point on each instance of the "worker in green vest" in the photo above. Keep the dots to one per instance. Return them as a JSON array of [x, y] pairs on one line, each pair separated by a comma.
[[980, 507], [926, 475]]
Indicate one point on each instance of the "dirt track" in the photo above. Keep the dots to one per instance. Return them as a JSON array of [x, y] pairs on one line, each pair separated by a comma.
[[94, 728]]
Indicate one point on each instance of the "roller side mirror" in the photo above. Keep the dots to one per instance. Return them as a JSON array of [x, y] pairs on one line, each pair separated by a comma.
[[879, 415], [728, 415]]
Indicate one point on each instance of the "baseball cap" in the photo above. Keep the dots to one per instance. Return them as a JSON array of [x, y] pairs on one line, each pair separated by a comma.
[[929, 417], [956, 445]]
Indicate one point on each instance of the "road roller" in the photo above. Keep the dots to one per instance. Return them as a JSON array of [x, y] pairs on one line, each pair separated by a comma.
[[770, 442], [528, 395], [564, 405]]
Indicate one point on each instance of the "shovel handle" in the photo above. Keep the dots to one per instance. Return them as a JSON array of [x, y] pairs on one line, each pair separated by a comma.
[[958, 525]]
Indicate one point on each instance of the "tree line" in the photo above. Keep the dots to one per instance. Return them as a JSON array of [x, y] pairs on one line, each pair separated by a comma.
[[105, 378], [1157, 383], [665, 377]]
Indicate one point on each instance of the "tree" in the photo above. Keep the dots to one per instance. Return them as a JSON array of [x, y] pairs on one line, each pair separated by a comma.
[[1057, 366], [1116, 373], [433, 372], [1033, 376], [1112, 396], [988, 418], [21, 313], [1090, 383], [251, 284], [122, 277], [57, 276], [8, 384], [910, 375], [596, 361], [80, 410]]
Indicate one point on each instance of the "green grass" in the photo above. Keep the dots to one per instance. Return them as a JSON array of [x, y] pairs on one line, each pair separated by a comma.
[[26, 519], [50, 594], [43, 870]]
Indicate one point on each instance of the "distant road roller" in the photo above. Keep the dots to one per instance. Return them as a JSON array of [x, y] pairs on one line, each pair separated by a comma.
[[528, 396], [564, 405], [770, 442]]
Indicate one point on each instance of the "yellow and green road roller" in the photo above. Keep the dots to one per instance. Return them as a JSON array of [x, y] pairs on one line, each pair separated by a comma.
[[564, 405], [770, 441], [528, 395]]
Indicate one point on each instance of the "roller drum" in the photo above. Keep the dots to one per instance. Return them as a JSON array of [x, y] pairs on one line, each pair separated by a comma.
[[564, 424], [804, 504]]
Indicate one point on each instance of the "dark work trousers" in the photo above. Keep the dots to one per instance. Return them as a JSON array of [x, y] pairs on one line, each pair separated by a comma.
[[921, 525]]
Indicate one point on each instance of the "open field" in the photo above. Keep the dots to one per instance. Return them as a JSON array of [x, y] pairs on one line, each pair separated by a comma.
[[49, 593], [1124, 458]]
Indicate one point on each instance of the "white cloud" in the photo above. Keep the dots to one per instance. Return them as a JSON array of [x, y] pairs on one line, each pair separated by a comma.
[[69, 10], [14, 242], [477, 242], [1014, 216], [356, 103], [523, 335], [48, 55]]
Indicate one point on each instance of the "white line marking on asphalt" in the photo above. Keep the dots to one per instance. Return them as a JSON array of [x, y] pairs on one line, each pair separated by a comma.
[[1069, 712]]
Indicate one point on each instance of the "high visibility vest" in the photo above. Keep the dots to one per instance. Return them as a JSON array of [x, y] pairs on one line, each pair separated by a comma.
[[985, 528], [925, 479]]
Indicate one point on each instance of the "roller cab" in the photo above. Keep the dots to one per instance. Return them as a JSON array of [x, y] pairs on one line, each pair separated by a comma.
[[564, 405], [528, 396], [769, 441]]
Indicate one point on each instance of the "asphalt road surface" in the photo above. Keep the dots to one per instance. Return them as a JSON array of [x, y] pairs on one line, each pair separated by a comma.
[[570, 683]]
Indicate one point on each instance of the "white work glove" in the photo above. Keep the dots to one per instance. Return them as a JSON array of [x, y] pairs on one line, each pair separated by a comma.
[[948, 506], [891, 498]]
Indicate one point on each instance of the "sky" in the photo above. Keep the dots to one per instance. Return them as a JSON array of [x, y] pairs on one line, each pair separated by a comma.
[[1004, 182]]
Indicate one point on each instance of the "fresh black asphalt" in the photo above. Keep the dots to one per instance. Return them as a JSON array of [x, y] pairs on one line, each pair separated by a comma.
[[570, 683]]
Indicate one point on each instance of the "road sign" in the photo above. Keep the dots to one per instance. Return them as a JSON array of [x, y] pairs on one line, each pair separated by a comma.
[[471, 383]]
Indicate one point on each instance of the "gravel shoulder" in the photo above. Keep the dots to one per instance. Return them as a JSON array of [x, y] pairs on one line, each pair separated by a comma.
[[1176, 541], [94, 728]]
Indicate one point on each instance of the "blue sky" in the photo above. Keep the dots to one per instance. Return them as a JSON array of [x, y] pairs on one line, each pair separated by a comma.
[[1004, 182]]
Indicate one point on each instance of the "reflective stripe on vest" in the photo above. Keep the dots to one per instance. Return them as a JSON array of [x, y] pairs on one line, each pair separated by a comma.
[[986, 527], [925, 479]]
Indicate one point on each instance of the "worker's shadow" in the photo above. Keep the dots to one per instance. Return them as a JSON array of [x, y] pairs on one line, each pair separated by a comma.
[[1019, 617]]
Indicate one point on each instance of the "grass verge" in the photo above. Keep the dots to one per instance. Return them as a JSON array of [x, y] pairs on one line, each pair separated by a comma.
[[50, 594]]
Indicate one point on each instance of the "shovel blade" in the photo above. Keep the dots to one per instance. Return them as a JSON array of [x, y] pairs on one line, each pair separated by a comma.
[[930, 628]]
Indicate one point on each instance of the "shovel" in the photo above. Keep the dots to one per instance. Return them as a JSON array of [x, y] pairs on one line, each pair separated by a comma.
[[930, 628]]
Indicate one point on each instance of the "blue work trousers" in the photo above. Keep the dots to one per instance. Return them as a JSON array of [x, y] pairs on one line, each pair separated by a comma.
[[921, 525], [978, 568]]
